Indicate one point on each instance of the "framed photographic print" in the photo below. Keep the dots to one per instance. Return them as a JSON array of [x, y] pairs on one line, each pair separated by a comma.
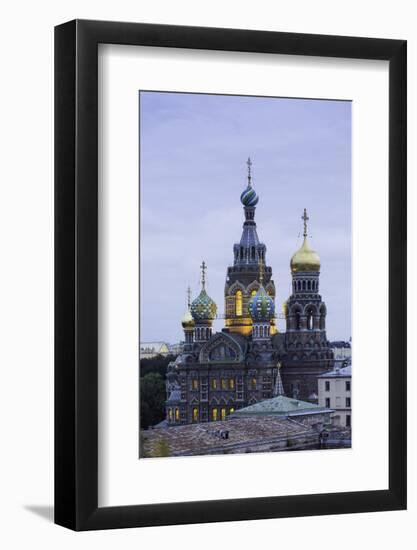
[[230, 275]]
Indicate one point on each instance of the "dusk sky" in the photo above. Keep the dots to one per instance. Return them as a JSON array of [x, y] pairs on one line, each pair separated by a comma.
[[193, 152]]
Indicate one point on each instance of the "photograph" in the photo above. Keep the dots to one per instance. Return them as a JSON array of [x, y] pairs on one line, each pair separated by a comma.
[[245, 274]]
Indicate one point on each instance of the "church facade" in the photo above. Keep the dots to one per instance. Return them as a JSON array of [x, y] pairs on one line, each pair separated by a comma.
[[249, 360]]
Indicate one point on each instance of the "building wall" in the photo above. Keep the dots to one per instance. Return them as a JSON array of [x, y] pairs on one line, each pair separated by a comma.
[[338, 394]]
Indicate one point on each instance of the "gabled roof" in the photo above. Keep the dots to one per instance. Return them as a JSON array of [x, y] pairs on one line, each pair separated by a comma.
[[281, 406]]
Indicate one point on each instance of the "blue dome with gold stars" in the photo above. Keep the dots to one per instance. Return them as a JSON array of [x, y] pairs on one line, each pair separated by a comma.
[[261, 306], [203, 307]]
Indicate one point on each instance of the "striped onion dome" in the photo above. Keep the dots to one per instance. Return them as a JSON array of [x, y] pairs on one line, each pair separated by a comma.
[[249, 197]]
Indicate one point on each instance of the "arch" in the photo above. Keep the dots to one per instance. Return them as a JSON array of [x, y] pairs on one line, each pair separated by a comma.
[[237, 285]]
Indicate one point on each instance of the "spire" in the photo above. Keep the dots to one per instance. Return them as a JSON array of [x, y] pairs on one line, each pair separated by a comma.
[[279, 388], [305, 219], [203, 267], [249, 163]]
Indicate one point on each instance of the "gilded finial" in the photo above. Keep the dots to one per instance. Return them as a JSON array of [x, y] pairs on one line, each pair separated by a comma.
[[261, 271], [305, 219], [203, 267], [249, 163], [188, 297]]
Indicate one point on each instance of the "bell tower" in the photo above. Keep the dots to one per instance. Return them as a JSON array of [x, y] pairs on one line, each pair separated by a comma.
[[242, 280], [308, 350]]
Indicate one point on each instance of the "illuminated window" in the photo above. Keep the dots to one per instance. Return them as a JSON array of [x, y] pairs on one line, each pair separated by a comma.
[[195, 414], [223, 413], [195, 385], [170, 414], [232, 383], [253, 293], [238, 303], [214, 413], [253, 383], [224, 384], [231, 410], [177, 414], [214, 384]]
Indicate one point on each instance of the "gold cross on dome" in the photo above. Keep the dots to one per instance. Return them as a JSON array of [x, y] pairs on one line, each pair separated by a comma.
[[305, 219], [261, 271], [203, 267], [249, 163]]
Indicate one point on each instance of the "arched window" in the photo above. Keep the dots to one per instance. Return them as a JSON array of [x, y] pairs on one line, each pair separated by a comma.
[[309, 285], [261, 330], [223, 413], [298, 320], [170, 415], [253, 252], [310, 318], [195, 414], [177, 414], [304, 285], [214, 414], [238, 303]]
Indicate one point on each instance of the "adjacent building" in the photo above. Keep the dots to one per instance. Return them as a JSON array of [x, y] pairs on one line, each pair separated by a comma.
[[147, 350], [335, 392], [219, 373]]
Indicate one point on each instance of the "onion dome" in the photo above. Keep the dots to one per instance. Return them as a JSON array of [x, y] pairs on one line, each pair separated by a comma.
[[249, 197], [203, 307], [261, 306], [187, 321], [305, 259]]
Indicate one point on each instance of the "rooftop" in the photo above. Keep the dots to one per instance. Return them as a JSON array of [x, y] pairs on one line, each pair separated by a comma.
[[280, 406]]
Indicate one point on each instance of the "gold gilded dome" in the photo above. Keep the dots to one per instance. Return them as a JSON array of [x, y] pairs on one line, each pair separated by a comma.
[[305, 259], [187, 321]]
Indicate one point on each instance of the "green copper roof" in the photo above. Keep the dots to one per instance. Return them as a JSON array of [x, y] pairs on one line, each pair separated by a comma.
[[281, 405]]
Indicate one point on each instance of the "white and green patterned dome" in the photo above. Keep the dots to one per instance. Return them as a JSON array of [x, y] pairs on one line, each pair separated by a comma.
[[203, 307]]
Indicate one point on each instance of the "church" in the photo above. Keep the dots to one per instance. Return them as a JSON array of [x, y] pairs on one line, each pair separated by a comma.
[[249, 360]]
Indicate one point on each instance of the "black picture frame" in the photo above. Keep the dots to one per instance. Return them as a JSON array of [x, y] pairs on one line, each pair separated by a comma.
[[76, 272]]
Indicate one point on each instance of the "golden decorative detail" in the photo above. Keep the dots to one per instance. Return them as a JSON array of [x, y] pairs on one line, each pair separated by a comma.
[[305, 259]]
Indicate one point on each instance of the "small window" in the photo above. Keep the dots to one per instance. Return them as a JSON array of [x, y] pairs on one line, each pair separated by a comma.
[[253, 384], [223, 413], [195, 384], [327, 402], [177, 414], [327, 385], [214, 414], [348, 402], [347, 385], [231, 383], [224, 384], [231, 410], [195, 414], [169, 414], [348, 420], [214, 384]]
